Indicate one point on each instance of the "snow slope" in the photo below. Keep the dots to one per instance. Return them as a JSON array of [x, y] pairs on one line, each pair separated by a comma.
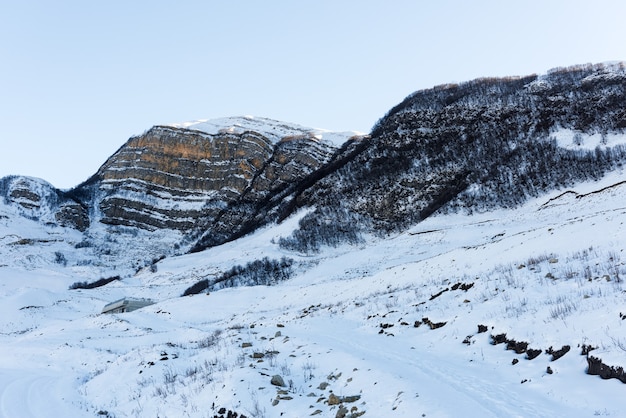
[[273, 129], [358, 329]]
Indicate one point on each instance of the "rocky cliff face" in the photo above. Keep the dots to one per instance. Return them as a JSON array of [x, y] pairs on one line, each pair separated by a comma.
[[184, 179], [170, 177], [38, 200], [210, 181]]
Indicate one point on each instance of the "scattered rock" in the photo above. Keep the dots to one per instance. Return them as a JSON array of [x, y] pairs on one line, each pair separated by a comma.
[[463, 286], [223, 413], [342, 412], [586, 349], [557, 354], [246, 345], [515, 361], [433, 325], [498, 339], [277, 380], [597, 367], [518, 346], [323, 385], [333, 399], [436, 295], [336, 400], [334, 376]]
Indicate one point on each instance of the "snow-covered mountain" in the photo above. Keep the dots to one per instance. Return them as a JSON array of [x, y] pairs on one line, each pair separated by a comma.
[[175, 185], [465, 259]]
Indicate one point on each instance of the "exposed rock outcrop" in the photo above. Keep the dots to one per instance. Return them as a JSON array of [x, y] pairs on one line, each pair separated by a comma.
[[185, 179], [39, 200]]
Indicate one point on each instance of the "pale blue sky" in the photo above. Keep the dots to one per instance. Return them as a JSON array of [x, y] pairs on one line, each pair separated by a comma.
[[78, 78]]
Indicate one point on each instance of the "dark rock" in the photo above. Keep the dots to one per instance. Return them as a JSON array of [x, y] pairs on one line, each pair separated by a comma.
[[498, 339], [595, 366], [277, 380], [557, 354], [333, 399]]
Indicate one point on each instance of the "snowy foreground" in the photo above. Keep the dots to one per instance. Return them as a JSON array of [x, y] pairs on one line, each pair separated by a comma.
[[357, 330]]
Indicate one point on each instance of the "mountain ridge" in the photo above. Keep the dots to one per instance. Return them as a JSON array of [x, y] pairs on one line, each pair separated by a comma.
[[471, 146]]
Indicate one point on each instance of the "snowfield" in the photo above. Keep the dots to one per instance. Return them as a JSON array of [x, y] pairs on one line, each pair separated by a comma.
[[395, 327], [272, 129]]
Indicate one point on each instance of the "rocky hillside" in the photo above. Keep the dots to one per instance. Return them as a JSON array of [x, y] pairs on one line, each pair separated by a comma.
[[474, 146], [210, 179], [38, 200], [464, 147], [185, 177]]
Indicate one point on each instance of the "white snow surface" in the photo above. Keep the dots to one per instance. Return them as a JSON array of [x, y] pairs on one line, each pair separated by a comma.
[[549, 273], [575, 140], [273, 129]]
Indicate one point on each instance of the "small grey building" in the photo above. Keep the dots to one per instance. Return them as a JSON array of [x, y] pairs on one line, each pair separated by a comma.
[[126, 305]]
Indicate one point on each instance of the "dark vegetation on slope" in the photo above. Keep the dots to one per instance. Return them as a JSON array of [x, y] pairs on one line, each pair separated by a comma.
[[264, 272], [245, 215], [469, 147], [92, 285]]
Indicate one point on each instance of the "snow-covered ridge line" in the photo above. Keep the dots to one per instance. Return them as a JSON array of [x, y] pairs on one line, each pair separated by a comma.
[[273, 129]]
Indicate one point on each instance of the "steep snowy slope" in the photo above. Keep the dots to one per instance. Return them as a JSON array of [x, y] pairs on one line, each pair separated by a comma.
[[390, 327], [273, 129]]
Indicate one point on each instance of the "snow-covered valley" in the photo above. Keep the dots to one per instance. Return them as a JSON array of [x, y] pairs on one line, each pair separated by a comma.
[[396, 327]]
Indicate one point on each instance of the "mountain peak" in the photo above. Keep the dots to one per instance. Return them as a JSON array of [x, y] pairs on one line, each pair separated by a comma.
[[273, 129]]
